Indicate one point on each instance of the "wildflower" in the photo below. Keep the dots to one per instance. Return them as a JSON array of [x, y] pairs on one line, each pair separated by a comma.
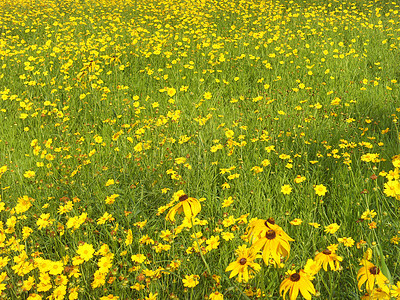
[[171, 92], [109, 297], [129, 238], [191, 281], [190, 206], [266, 235], [44, 221], [286, 189], [216, 296], [395, 292], [227, 202], [207, 95], [320, 190], [29, 174], [332, 228], [328, 257], [227, 236], [56, 268], [229, 133], [110, 182], [138, 258], [299, 179], [368, 214], [392, 188], [274, 244], [296, 222], [315, 225], [151, 296], [85, 251], [244, 265], [347, 241], [371, 275], [295, 283], [212, 243], [311, 268]]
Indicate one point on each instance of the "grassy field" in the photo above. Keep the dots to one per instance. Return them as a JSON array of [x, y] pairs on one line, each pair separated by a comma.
[[199, 149]]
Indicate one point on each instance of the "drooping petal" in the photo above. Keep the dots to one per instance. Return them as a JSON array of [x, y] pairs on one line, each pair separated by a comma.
[[294, 292]]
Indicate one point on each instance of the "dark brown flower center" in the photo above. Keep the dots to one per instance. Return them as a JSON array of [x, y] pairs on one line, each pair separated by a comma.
[[271, 234], [327, 252], [295, 277], [183, 198], [269, 221], [242, 261], [374, 270]]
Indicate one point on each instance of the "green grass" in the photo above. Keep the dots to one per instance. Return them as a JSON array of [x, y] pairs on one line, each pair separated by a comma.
[[327, 81]]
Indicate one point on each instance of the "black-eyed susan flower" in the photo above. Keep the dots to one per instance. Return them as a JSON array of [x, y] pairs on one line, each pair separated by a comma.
[[295, 283], [268, 236], [370, 275], [244, 266], [328, 257], [188, 205]]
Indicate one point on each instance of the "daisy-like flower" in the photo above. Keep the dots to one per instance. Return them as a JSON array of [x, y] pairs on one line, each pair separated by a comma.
[[258, 228], [320, 190], [371, 275], [295, 283], [191, 281], [244, 265], [188, 205], [273, 241], [328, 257], [395, 291], [332, 228], [378, 294]]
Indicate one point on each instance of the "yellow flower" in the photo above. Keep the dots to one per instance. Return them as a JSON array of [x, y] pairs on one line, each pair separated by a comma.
[[85, 251], [332, 228], [395, 292], [216, 296], [109, 297], [299, 179], [312, 268], [191, 281], [110, 182], [320, 190], [212, 242], [29, 174], [328, 257], [347, 241], [151, 296], [244, 265], [227, 202], [295, 283], [190, 207], [227, 236], [274, 245], [315, 225], [371, 275], [286, 189], [207, 95], [368, 214], [171, 92], [138, 258], [296, 222]]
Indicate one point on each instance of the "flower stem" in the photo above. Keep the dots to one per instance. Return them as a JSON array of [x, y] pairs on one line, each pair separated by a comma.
[[201, 252]]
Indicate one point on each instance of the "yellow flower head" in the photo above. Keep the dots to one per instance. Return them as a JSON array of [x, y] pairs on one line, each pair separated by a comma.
[[188, 205], [244, 266], [295, 283]]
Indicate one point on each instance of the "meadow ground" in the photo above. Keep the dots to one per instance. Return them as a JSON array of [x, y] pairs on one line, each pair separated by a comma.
[[199, 149]]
